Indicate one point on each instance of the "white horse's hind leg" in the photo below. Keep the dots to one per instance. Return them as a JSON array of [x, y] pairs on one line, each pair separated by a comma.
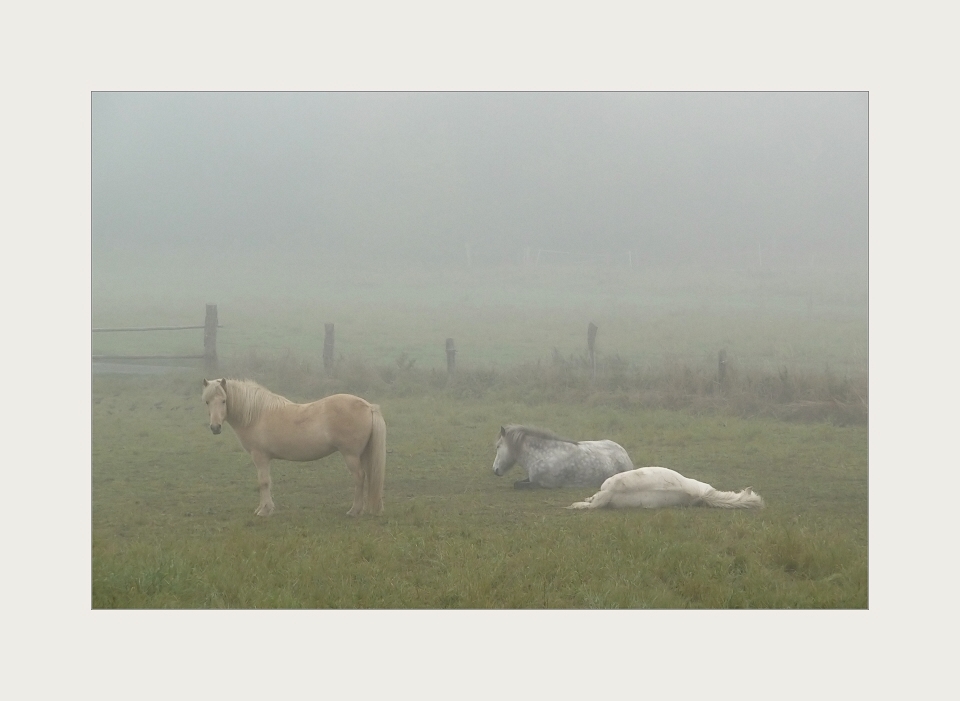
[[585, 504], [359, 477], [597, 501], [263, 477]]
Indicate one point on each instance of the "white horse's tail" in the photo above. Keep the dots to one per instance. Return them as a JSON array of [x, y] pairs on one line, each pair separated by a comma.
[[374, 462], [746, 499], [597, 501]]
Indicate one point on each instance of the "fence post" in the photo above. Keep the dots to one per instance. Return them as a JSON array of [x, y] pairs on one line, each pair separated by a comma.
[[591, 339], [327, 347], [722, 368], [451, 357], [210, 341]]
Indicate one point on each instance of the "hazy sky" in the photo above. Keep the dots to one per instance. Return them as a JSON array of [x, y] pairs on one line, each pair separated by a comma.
[[669, 176]]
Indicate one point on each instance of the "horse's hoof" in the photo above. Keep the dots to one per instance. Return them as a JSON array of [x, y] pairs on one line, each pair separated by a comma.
[[351, 512]]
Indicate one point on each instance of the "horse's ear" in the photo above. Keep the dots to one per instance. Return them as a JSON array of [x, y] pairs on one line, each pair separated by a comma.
[[223, 383], [205, 383], [502, 432]]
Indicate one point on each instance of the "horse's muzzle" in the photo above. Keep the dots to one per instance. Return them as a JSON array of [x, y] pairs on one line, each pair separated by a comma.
[[215, 429]]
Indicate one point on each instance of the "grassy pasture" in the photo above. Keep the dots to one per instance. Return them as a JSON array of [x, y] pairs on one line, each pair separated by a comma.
[[173, 522], [172, 505]]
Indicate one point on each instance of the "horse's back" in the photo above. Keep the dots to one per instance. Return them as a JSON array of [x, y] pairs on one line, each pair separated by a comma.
[[613, 450], [583, 464], [345, 418], [649, 478], [613, 459], [345, 402], [347, 407]]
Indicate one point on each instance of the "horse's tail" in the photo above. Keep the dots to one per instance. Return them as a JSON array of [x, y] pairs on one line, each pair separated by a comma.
[[374, 461], [746, 499], [597, 501]]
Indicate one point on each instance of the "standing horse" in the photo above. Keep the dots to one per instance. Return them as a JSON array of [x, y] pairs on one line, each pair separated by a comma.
[[552, 461], [655, 487], [270, 426]]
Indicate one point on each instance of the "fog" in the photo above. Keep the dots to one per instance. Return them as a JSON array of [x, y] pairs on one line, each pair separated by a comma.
[[437, 179]]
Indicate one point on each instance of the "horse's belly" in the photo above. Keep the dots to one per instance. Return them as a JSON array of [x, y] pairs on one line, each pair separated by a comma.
[[651, 499], [569, 478], [550, 480], [303, 454], [298, 448]]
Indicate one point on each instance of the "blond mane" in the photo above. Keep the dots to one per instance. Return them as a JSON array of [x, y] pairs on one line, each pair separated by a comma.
[[247, 400]]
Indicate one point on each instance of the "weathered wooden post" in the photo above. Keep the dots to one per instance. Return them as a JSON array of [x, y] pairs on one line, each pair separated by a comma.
[[327, 347], [722, 368], [451, 357], [210, 341], [591, 340]]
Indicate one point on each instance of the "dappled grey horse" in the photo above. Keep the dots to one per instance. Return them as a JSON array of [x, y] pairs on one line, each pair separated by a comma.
[[552, 461]]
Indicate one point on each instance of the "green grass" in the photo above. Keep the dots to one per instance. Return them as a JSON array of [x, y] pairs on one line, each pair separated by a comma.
[[173, 523]]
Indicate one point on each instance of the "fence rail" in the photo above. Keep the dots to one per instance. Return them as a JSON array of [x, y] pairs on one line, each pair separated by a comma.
[[147, 357], [209, 355], [156, 328]]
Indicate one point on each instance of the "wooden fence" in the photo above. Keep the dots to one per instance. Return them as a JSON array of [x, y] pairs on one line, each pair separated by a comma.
[[209, 355]]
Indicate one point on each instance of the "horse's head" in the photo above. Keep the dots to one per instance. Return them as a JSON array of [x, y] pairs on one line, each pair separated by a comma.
[[215, 397], [504, 459]]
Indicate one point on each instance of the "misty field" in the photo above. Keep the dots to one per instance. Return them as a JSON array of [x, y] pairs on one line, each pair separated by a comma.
[[172, 505]]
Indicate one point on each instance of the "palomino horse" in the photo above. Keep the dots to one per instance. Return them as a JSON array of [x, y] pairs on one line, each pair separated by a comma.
[[655, 487], [552, 461], [270, 426]]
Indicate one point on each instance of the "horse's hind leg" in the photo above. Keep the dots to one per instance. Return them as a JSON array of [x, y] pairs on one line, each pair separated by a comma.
[[263, 477], [597, 501], [359, 476]]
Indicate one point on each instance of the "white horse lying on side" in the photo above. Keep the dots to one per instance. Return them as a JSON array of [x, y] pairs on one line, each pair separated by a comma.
[[656, 487]]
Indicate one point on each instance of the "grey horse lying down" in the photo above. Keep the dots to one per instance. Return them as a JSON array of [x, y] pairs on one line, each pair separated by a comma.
[[656, 487], [552, 461]]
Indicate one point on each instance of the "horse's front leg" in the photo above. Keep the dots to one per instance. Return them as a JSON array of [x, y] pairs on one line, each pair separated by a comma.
[[263, 478]]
